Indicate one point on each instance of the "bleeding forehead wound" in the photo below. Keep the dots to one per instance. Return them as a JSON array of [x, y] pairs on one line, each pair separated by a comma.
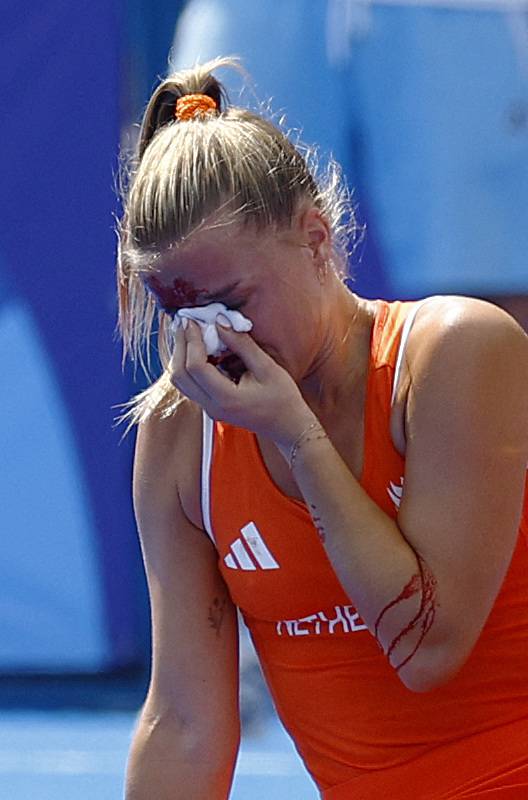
[[175, 294]]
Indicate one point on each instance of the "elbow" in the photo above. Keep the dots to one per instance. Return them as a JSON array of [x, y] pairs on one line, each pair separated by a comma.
[[172, 757], [422, 680], [197, 742], [430, 669]]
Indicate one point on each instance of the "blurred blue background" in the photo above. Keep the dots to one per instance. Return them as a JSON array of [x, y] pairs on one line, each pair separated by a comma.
[[425, 105]]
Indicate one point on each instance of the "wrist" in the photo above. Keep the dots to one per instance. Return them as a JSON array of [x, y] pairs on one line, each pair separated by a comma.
[[312, 430], [292, 424]]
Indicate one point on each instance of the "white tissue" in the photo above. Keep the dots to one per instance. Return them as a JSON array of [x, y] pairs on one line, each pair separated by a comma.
[[206, 317]]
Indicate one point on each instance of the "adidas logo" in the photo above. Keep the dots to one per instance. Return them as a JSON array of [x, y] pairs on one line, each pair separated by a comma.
[[250, 551], [395, 492]]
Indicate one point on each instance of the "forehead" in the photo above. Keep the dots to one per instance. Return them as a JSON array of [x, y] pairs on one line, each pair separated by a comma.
[[207, 254], [212, 254], [218, 260], [209, 264]]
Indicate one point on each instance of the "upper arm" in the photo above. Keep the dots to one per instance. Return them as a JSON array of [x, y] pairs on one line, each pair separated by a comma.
[[466, 456], [194, 677]]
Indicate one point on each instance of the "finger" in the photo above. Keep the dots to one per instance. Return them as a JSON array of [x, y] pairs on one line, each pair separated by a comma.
[[196, 355], [207, 378], [254, 357], [177, 361], [179, 376]]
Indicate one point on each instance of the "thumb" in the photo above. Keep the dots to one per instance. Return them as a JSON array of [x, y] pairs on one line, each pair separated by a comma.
[[243, 345]]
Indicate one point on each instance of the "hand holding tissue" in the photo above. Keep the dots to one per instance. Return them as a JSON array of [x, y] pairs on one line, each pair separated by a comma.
[[207, 317]]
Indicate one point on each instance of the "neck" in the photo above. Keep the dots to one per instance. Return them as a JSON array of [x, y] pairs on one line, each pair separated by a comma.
[[337, 374]]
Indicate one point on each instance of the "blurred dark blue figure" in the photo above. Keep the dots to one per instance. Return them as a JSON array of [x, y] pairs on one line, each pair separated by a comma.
[[426, 106], [148, 27], [70, 579]]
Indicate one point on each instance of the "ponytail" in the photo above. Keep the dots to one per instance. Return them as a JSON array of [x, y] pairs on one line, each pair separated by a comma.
[[161, 109]]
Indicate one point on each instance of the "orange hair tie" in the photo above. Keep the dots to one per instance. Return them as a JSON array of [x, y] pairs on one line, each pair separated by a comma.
[[192, 105]]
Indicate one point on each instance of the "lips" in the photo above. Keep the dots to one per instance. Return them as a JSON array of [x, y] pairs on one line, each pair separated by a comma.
[[230, 364]]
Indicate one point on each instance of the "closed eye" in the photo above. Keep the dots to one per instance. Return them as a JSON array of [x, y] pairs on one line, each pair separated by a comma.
[[232, 306]]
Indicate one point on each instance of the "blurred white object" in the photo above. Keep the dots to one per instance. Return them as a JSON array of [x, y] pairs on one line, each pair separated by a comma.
[[207, 317]]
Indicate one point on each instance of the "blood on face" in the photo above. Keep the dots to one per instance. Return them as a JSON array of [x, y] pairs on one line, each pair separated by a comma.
[[182, 293], [175, 295]]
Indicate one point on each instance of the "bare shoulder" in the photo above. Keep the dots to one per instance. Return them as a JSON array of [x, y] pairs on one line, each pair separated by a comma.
[[459, 345], [465, 325], [467, 357], [168, 457]]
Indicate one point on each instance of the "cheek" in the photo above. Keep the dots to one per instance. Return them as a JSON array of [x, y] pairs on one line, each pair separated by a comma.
[[280, 327], [282, 341]]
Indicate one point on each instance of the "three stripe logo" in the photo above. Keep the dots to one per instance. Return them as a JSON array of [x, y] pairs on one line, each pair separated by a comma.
[[395, 492], [250, 552]]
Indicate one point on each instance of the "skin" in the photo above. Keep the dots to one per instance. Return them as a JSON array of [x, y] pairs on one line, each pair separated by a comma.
[[422, 584], [307, 359], [459, 418], [188, 733], [280, 288], [174, 294]]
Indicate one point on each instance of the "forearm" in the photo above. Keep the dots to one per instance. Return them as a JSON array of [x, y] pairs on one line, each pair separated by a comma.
[[388, 582], [168, 763]]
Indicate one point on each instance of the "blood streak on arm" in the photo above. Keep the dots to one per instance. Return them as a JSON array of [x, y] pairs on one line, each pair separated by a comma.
[[423, 583]]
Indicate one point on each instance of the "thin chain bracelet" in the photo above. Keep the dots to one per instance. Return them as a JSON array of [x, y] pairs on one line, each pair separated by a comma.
[[305, 436]]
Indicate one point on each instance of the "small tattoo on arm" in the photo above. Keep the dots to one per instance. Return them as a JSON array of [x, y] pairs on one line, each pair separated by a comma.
[[423, 583], [216, 613], [317, 522]]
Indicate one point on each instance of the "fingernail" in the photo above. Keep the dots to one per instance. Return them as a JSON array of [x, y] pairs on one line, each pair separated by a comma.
[[224, 321], [184, 322]]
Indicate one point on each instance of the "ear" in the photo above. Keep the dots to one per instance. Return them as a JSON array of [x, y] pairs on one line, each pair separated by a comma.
[[316, 234]]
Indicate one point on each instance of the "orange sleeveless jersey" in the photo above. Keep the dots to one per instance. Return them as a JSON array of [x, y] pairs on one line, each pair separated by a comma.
[[359, 731]]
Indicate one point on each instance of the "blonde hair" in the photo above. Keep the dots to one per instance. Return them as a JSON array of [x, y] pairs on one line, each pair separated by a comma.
[[230, 164]]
